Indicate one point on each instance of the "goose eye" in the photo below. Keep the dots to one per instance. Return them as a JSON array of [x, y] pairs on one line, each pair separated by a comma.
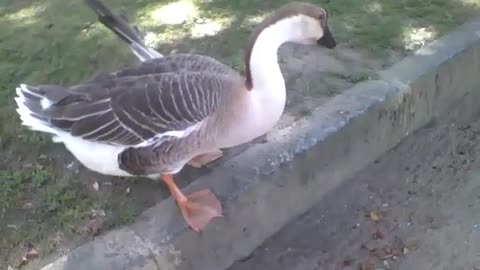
[[323, 15]]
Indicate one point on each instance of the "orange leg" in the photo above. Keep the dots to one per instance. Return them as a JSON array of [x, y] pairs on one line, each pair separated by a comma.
[[198, 208], [203, 159]]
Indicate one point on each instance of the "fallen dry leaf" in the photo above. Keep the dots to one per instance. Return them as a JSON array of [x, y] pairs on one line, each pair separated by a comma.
[[378, 235], [366, 266], [412, 245], [31, 254], [375, 216], [95, 186], [382, 253], [94, 228], [27, 205], [12, 226], [95, 213]]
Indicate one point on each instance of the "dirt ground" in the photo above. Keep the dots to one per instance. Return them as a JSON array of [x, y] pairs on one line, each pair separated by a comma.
[[417, 207]]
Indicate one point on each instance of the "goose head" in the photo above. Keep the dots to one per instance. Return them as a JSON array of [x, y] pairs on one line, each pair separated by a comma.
[[297, 22], [308, 24]]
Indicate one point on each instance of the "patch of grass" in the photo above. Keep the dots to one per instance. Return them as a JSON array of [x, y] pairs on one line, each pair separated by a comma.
[[127, 214], [65, 206], [56, 201], [33, 138], [362, 76], [12, 187], [34, 207]]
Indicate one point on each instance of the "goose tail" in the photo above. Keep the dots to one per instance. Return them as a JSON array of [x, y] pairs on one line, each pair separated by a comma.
[[120, 26], [33, 104]]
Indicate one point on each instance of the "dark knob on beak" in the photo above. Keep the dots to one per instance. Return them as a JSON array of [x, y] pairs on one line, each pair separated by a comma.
[[327, 40]]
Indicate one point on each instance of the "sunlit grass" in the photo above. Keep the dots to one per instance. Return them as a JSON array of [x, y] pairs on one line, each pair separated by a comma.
[[415, 38], [174, 13], [26, 15]]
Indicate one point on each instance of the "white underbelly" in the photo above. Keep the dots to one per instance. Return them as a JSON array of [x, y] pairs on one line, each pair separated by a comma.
[[101, 158]]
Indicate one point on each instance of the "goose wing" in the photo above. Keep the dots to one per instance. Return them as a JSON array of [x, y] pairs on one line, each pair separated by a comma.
[[132, 110]]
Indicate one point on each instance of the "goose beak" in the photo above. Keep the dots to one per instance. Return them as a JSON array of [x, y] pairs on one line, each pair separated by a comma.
[[327, 40]]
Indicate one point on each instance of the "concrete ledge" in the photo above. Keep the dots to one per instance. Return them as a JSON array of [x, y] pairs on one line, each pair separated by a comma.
[[270, 184]]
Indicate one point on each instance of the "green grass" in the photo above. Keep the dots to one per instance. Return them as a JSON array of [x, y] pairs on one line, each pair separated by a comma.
[[50, 206], [54, 41], [60, 42]]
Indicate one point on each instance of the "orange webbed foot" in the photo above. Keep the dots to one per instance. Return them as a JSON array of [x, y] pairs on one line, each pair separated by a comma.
[[197, 208]]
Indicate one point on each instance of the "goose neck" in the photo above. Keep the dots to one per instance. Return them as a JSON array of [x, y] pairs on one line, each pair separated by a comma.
[[262, 52]]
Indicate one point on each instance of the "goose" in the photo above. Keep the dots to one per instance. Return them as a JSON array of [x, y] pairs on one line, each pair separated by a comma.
[[130, 34], [153, 118]]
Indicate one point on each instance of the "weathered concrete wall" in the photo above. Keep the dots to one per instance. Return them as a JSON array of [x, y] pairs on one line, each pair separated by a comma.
[[270, 184]]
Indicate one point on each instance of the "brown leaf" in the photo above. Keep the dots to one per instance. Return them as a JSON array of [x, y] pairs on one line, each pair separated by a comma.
[[366, 266], [31, 254], [385, 253], [94, 229], [412, 245], [375, 216], [378, 235]]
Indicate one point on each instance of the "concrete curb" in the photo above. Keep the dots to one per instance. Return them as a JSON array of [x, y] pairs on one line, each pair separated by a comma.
[[270, 184]]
